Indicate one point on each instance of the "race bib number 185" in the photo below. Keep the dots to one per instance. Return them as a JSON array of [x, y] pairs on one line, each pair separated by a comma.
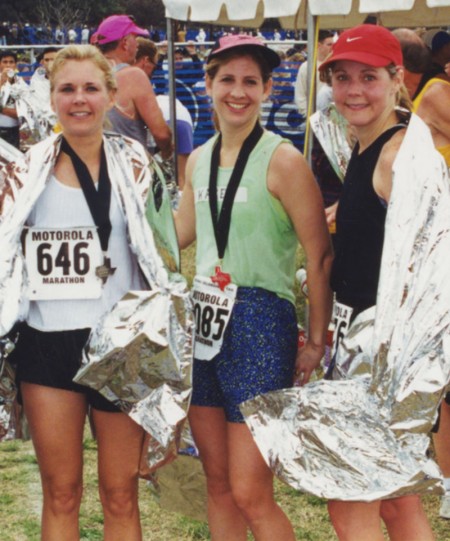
[[212, 312], [61, 263]]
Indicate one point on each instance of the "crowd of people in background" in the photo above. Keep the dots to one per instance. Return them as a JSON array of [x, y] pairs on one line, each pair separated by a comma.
[[190, 56], [13, 33], [30, 34], [193, 44], [193, 47]]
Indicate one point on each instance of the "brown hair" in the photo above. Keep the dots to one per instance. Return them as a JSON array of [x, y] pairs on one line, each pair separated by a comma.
[[212, 67], [80, 53], [146, 47], [214, 63]]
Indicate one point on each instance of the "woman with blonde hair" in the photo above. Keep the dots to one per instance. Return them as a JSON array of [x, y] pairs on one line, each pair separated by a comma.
[[80, 260], [366, 70]]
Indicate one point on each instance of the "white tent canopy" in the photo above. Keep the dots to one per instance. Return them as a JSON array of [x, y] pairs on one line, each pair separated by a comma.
[[293, 13], [301, 14]]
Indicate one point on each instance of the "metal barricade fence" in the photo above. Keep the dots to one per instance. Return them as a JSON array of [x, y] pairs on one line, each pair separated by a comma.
[[279, 113]]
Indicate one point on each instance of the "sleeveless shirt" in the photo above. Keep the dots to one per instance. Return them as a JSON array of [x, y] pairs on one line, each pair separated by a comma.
[[65, 207], [262, 242], [360, 222], [125, 125]]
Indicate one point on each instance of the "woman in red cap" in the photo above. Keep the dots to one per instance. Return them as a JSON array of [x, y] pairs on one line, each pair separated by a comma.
[[367, 80], [249, 198]]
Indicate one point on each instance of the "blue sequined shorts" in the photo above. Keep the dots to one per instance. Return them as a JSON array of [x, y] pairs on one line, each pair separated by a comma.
[[258, 354]]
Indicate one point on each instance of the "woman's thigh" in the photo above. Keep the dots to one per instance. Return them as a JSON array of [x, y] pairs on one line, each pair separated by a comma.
[[56, 419], [119, 443]]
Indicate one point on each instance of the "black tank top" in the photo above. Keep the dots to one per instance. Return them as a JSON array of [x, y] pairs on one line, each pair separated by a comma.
[[360, 229]]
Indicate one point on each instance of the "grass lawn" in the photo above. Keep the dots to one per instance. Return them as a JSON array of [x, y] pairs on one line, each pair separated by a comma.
[[20, 502]]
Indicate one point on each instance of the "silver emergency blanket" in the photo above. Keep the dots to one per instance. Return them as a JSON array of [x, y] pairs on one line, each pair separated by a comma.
[[12, 89], [365, 437], [180, 486], [139, 354], [32, 103], [167, 166], [9, 415], [351, 358], [37, 118], [331, 130], [139, 357]]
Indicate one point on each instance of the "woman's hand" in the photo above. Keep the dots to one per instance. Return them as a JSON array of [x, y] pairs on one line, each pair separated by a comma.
[[291, 181], [308, 359], [330, 213]]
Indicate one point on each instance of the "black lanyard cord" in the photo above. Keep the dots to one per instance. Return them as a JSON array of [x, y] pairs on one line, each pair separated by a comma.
[[98, 200], [222, 222]]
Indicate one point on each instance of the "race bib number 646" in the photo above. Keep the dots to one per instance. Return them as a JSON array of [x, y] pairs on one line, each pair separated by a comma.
[[61, 263], [212, 312]]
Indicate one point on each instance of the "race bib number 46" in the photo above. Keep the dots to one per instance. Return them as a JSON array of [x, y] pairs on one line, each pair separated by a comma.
[[212, 312], [61, 263]]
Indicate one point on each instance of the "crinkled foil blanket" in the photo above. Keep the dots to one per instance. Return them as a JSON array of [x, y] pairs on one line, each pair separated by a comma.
[[139, 357], [331, 130], [9, 422], [140, 354], [36, 117], [366, 437]]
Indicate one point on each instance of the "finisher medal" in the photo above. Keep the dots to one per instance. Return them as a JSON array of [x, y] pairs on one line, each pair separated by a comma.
[[105, 270], [221, 279], [98, 201]]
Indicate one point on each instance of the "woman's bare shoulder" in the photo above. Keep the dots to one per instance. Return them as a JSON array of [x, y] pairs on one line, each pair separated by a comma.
[[390, 149]]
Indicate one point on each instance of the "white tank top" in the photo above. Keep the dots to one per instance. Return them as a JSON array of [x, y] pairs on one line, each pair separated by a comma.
[[63, 206]]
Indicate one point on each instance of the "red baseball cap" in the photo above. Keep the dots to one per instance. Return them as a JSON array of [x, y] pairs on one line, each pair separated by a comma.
[[368, 44], [242, 40], [116, 27]]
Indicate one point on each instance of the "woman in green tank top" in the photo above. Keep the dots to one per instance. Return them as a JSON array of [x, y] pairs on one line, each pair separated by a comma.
[[248, 200]]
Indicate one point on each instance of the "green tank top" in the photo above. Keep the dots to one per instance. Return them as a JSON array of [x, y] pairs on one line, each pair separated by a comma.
[[262, 242]]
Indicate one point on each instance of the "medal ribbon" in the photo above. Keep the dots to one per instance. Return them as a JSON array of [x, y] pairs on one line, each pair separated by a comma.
[[98, 200], [222, 222]]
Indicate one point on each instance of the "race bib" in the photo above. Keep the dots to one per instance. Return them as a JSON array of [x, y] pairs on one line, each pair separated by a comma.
[[212, 312], [341, 321], [61, 263]]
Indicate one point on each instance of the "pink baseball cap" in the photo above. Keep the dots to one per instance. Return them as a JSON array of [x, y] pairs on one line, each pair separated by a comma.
[[116, 27], [368, 44], [242, 40]]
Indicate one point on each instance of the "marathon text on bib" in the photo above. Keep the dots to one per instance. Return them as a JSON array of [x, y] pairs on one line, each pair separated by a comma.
[[212, 312], [61, 263]]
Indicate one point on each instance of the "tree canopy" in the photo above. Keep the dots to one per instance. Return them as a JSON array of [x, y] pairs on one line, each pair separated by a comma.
[[78, 12]]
